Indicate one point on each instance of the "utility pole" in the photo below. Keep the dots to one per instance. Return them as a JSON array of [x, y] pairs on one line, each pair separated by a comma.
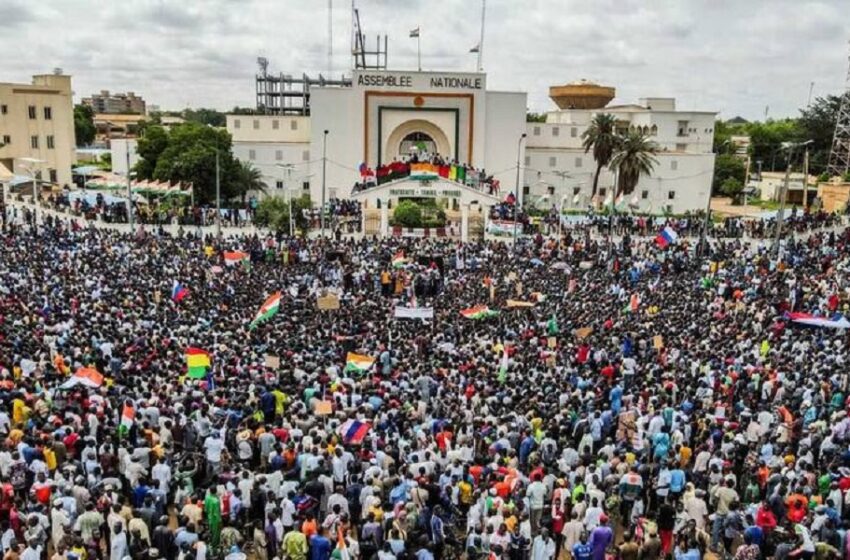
[[324, 173], [217, 196], [781, 214], [129, 191], [806, 179], [746, 179], [518, 203]]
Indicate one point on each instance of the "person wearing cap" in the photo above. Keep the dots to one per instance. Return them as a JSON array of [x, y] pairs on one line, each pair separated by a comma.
[[601, 538]]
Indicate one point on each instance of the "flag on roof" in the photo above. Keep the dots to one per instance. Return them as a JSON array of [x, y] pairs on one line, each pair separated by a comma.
[[268, 310], [478, 312], [128, 416], [837, 321], [178, 292], [197, 362], [358, 362], [232, 258], [87, 377], [353, 431], [476, 48], [666, 236], [399, 260], [414, 33]]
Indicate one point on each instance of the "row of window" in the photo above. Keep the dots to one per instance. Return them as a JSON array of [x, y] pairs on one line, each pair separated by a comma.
[[646, 130], [644, 194], [556, 131], [305, 185], [293, 124], [34, 141], [278, 155], [579, 162]]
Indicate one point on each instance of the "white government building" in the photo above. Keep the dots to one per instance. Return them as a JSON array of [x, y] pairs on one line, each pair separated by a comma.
[[377, 115]]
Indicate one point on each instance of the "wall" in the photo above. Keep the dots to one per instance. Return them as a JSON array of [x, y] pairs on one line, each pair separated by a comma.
[[505, 121], [47, 90], [340, 112], [118, 150], [834, 196], [261, 128]]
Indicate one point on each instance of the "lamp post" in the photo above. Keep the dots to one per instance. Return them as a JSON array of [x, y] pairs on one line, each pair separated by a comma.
[[324, 176], [129, 192], [783, 193], [29, 166], [288, 168], [518, 204]]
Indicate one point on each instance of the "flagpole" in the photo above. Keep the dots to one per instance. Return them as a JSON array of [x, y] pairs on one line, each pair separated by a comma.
[[481, 40], [419, 48]]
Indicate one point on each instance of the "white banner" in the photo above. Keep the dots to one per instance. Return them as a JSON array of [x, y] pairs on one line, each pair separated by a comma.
[[414, 312]]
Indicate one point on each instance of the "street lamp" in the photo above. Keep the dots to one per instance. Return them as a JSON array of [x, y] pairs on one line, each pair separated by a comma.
[[518, 203], [784, 192], [29, 165], [324, 173], [288, 167]]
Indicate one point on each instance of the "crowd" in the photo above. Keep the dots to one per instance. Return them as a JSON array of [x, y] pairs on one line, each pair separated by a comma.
[[625, 401]]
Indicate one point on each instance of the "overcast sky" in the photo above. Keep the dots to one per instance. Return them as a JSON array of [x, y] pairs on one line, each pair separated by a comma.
[[725, 55]]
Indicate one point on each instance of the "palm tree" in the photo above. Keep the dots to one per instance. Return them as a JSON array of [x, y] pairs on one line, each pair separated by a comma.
[[634, 158], [249, 179], [601, 136]]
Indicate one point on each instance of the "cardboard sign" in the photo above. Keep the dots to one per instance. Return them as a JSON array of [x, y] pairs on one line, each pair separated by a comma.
[[658, 342], [272, 362], [553, 342], [328, 302], [324, 408], [583, 332]]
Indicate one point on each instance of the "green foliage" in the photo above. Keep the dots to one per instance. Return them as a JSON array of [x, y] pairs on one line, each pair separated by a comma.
[[601, 137], [203, 116], [766, 140], [105, 161], [727, 167], [250, 178], [188, 153], [847, 177], [633, 159], [407, 214], [824, 177], [84, 130], [817, 123], [723, 133], [273, 213], [535, 117], [731, 187], [243, 111]]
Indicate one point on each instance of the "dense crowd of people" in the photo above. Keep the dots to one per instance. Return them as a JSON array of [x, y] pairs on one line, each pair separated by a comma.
[[624, 401]]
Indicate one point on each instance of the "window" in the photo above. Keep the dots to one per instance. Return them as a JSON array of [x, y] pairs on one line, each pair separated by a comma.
[[278, 184], [536, 131], [644, 195], [237, 123], [669, 209], [527, 161], [578, 162], [602, 192], [305, 155], [256, 124], [275, 124], [576, 191], [550, 190], [4, 109], [50, 144], [293, 125], [252, 154], [556, 131], [48, 113], [674, 165], [7, 139], [31, 111], [53, 178], [278, 155], [654, 130], [305, 186], [683, 128], [573, 132], [34, 142], [553, 161], [671, 195], [525, 191]]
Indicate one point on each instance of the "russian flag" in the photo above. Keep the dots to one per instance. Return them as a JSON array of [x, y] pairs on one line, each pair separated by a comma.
[[837, 321], [353, 431], [178, 292], [666, 237]]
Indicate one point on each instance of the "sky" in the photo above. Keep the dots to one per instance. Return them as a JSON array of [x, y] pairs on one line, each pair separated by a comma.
[[737, 58]]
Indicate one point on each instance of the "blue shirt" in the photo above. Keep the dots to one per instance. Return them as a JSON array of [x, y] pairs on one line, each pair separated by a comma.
[[582, 551], [320, 548], [677, 480]]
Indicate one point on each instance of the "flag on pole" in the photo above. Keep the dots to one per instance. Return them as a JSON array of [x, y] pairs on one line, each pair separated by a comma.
[[268, 310], [197, 362], [398, 260], [478, 312], [503, 367], [475, 49], [340, 544], [666, 237], [414, 33], [178, 292]]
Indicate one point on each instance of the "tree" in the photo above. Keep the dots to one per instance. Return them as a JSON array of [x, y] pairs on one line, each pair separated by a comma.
[[243, 111], [273, 213], [731, 187], [633, 159], [535, 117], [249, 178], [149, 148], [766, 140], [84, 129], [203, 116], [601, 137], [727, 167], [817, 123], [407, 214]]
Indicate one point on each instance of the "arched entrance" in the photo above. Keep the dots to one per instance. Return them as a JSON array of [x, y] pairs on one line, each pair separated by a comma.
[[413, 133]]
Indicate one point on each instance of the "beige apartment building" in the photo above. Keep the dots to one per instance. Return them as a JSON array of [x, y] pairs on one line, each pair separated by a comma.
[[37, 121]]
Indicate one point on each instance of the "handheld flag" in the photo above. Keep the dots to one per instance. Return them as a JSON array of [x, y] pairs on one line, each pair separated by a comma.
[[268, 310], [197, 363], [178, 292], [354, 431], [87, 377], [399, 260], [478, 312], [128, 416], [503, 367], [232, 258], [666, 237], [358, 363], [552, 326]]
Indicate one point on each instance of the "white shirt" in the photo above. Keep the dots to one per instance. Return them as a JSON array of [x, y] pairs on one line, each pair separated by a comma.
[[214, 447]]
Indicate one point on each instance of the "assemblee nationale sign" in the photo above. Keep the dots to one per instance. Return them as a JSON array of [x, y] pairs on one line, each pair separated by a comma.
[[426, 193], [406, 81]]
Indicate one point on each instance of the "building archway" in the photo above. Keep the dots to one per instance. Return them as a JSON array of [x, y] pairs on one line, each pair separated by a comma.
[[413, 132]]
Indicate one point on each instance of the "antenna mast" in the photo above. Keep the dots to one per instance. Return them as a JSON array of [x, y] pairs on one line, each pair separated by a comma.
[[481, 39], [839, 155]]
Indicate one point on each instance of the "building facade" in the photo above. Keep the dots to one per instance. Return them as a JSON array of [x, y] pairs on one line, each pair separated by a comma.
[[558, 171], [115, 103], [37, 123]]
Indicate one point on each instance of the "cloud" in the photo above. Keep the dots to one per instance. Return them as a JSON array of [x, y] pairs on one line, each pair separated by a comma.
[[735, 57]]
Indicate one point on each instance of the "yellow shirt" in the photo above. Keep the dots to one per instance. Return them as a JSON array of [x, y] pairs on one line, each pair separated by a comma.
[[50, 459], [18, 411]]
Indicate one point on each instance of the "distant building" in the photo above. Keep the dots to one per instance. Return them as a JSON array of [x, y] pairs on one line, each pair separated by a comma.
[[116, 103], [770, 187], [37, 122], [742, 145], [109, 126], [834, 195]]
